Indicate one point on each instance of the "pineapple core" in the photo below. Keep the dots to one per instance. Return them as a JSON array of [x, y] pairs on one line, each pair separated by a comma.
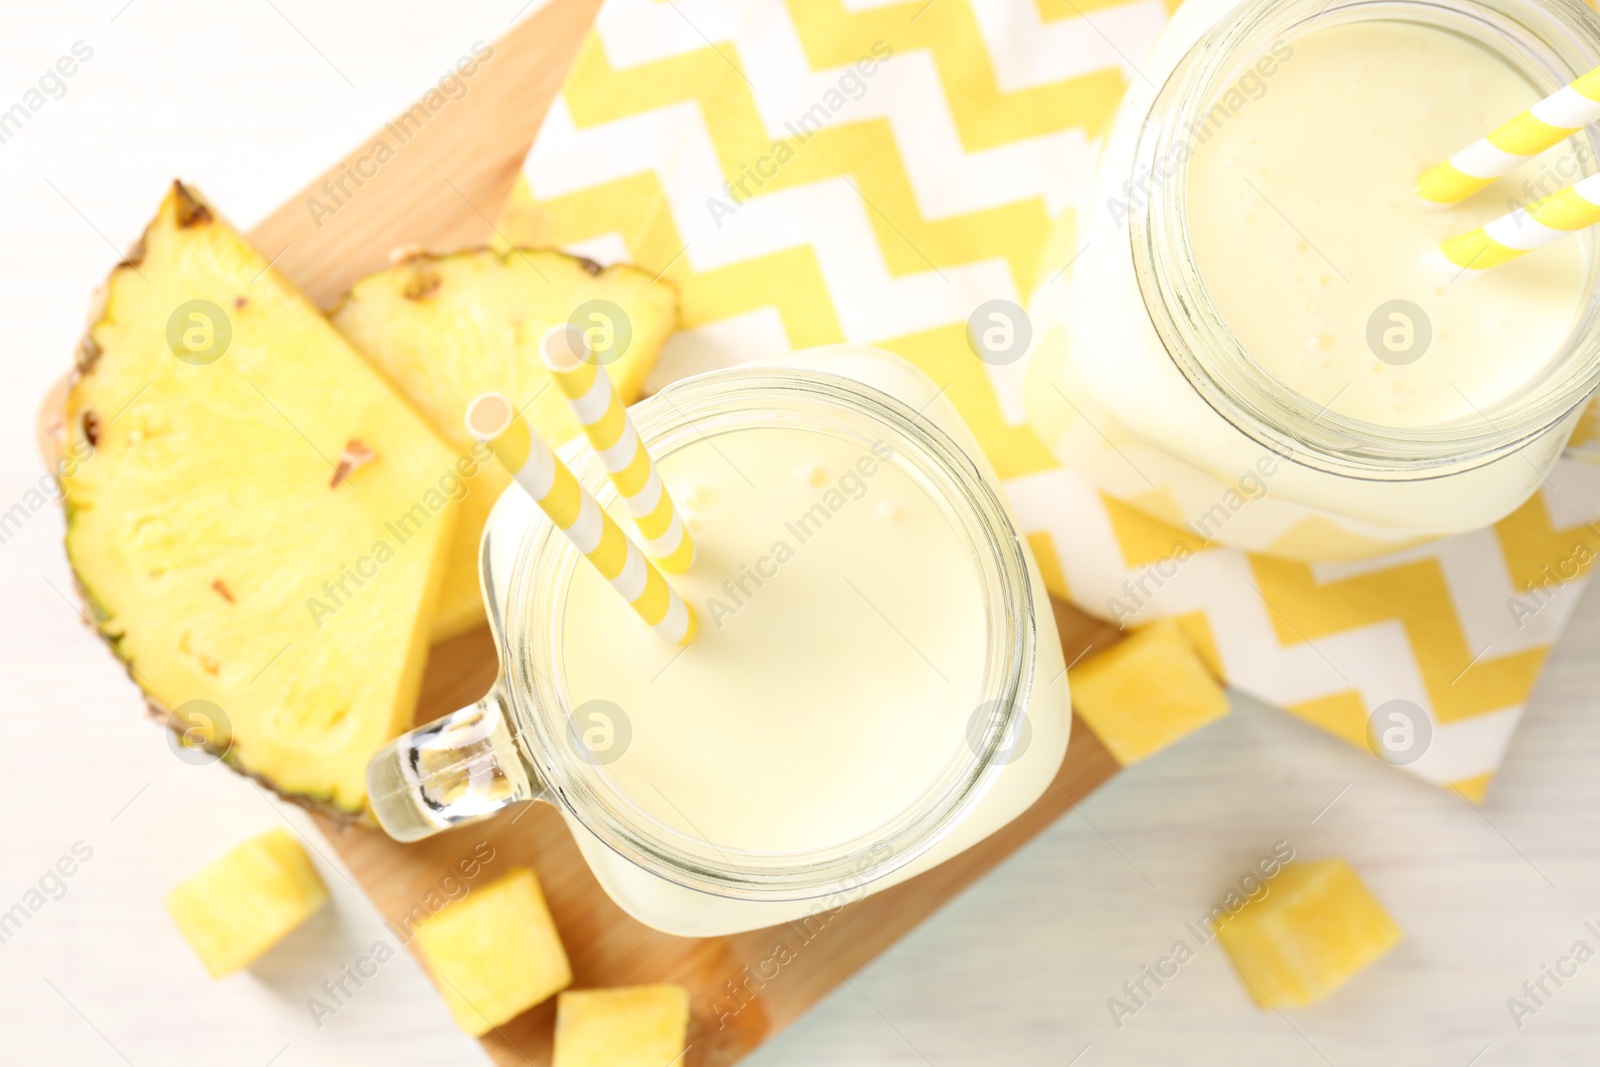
[[495, 953], [1313, 931], [637, 1026], [1143, 694], [242, 904]]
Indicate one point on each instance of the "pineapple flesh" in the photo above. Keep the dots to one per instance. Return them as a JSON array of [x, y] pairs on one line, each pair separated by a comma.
[[447, 328], [635, 1026], [263, 522], [1141, 695], [495, 953], [246, 901], [1316, 928]]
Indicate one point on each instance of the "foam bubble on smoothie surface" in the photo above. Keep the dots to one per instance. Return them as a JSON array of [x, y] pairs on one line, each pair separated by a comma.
[[1310, 237]]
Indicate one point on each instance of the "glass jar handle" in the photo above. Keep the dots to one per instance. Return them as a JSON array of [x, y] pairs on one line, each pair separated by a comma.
[[462, 767]]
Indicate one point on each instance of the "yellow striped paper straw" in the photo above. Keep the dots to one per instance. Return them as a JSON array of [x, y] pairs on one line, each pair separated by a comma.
[[1544, 125], [1574, 208], [491, 418], [605, 422]]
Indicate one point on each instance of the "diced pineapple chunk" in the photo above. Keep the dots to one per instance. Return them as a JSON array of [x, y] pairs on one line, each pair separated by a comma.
[[495, 953], [1143, 694], [636, 1026], [245, 902], [1315, 929]]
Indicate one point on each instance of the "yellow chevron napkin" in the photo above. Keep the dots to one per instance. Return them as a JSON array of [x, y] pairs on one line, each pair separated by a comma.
[[821, 171]]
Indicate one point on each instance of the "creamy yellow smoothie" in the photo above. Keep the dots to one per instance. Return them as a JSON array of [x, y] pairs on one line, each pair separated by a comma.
[[1306, 223], [840, 653]]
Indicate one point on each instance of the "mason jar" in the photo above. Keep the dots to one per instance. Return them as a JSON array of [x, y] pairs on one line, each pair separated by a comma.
[[1139, 383], [972, 773]]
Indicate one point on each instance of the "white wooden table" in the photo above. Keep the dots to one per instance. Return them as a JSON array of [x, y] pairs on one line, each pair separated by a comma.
[[247, 100]]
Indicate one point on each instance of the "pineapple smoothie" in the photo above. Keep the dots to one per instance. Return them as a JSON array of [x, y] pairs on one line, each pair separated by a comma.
[[840, 651], [840, 720], [1262, 342], [847, 650], [1311, 224]]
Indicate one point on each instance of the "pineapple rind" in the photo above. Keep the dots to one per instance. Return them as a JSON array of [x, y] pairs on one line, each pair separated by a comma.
[[495, 953], [1317, 927], [244, 902], [201, 475], [447, 328]]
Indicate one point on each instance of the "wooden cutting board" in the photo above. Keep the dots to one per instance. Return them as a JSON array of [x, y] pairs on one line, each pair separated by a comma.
[[441, 191]]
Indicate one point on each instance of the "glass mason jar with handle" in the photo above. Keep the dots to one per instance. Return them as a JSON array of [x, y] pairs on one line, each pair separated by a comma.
[[876, 683], [1159, 379]]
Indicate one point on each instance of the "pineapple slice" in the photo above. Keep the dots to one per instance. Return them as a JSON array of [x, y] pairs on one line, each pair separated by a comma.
[[1141, 695], [495, 953], [260, 527], [1313, 931], [246, 901], [637, 1026], [447, 328]]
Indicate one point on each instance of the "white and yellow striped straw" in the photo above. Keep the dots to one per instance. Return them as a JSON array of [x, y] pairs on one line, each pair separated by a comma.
[[577, 514], [599, 410], [1544, 125], [1574, 208]]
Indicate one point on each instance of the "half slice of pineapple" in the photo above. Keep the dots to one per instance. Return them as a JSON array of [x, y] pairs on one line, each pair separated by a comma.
[[447, 328], [261, 526]]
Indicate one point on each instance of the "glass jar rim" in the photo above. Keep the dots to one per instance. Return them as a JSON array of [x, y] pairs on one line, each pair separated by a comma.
[[675, 416], [1555, 40]]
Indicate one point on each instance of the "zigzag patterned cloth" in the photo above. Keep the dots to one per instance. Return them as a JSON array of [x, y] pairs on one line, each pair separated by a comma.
[[821, 171]]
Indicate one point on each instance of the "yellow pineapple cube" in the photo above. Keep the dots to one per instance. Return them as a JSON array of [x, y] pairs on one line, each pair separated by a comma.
[[245, 902], [1141, 695], [636, 1026], [1315, 929], [495, 953]]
